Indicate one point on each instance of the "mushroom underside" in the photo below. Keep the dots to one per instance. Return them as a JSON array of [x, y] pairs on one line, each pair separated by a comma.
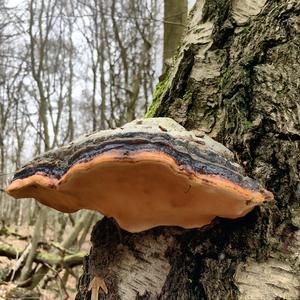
[[140, 191]]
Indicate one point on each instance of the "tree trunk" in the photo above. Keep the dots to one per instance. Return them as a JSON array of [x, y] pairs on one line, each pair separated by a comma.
[[237, 78], [175, 15]]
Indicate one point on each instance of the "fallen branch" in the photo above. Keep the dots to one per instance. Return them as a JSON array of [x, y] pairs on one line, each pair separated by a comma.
[[67, 261], [6, 231], [19, 263]]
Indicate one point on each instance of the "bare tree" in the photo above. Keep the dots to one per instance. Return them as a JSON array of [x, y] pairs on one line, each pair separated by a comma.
[[175, 16], [120, 36]]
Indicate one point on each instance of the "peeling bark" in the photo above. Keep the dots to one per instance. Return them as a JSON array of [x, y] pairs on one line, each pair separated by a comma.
[[236, 77]]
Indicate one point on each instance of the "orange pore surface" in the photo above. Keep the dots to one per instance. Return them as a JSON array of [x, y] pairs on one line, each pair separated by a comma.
[[141, 191]]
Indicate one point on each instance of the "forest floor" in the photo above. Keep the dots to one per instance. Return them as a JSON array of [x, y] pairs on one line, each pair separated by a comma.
[[53, 289]]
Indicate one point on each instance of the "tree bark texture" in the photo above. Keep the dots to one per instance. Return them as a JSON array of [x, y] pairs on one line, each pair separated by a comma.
[[237, 77]]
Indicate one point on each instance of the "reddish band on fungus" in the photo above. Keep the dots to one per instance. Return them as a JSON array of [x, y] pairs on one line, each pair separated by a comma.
[[140, 185]]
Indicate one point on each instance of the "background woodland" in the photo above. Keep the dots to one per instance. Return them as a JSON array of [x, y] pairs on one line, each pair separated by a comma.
[[68, 68]]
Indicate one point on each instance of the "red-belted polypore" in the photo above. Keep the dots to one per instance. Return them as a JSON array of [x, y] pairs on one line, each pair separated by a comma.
[[149, 172]]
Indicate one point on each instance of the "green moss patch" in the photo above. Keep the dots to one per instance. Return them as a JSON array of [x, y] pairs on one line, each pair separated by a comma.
[[159, 89]]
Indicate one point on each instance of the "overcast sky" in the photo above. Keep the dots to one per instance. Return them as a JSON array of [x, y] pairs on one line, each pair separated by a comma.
[[191, 3]]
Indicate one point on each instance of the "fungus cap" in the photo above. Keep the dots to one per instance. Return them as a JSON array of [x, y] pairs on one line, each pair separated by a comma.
[[149, 172]]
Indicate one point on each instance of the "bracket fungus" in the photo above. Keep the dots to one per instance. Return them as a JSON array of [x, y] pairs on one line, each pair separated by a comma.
[[147, 173]]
